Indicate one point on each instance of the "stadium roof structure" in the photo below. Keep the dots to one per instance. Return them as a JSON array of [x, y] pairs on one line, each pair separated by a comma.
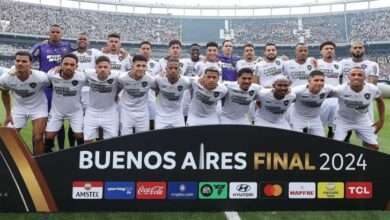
[[210, 8]]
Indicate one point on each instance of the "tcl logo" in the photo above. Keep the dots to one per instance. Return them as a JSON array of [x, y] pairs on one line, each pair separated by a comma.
[[359, 190], [151, 190]]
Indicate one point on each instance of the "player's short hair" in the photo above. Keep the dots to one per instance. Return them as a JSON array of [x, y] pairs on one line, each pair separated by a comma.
[[173, 60], [227, 40], [356, 68], [269, 44], [70, 55], [102, 59], [24, 53], [211, 44], [173, 42], [139, 57], [84, 33], [114, 35], [279, 77], [244, 70], [194, 45], [211, 69], [328, 43], [249, 45], [145, 42], [55, 25], [300, 44], [316, 73]]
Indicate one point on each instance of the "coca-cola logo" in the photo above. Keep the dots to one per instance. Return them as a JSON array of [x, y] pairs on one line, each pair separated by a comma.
[[156, 190], [151, 190]]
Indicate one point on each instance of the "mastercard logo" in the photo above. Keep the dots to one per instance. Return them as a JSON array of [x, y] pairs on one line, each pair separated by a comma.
[[273, 190]]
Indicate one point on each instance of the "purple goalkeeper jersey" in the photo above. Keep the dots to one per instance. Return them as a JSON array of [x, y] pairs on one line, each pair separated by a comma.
[[228, 65], [49, 55]]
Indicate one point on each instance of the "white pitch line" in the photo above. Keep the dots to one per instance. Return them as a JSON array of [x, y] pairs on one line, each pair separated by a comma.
[[232, 216]]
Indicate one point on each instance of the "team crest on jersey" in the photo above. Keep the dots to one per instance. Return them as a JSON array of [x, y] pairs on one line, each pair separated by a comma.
[[367, 96], [286, 102], [216, 94], [336, 66], [151, 65], [64, 49], [309, 67], [33, 85], [144, 84], [110, 81], [181, 65], [364, 66], [322, 95], [180, 88], [89, 52], [120, 58], [251, 92], [277, 62], [75, 82]]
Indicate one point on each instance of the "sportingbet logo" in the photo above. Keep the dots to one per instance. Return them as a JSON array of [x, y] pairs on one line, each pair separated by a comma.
[[87, 190], [301, 190], [151, 190], [333, 190], [119, 190], [242, 190], [358, 190], [212, 190], [182, 190]]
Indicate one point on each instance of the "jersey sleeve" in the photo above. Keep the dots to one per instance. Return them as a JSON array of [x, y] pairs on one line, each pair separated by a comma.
[[376, 92], [36, 53], [374, 70], [3, 82]]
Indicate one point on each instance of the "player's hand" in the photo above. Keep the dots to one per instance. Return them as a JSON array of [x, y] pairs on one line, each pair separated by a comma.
[[314, 62], [12, 71], [284, 58], [8, 119], [117, 99], [163, 73], [105, 50], [378, 125], [55, 69], [123, 53]]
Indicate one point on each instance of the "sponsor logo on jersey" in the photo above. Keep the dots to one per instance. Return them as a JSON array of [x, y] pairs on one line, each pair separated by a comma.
[[151, 190], [327, 190], [358, 190], [273, 190], [301, 190], [182, 190], [87, 190], [243, 190], [119, 190], [33, 85], [212, 190], [89, 52]]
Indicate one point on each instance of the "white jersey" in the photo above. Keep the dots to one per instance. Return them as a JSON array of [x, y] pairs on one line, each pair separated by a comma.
[[66, 93], [331, 71], [135, 92], [236, 102], [103, 92], [272, 109], [153, 68], [308, 105], [190, 71], [244, 64], [29, 93], [3, 70], [268, 70], [204, 101], [370, 68], [200, 67], [354, 106], [298, 73], [163, 65], [170, 96], [87, 59], [120, 63]]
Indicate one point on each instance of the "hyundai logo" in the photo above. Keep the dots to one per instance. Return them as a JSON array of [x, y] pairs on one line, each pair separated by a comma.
[[243, 188]]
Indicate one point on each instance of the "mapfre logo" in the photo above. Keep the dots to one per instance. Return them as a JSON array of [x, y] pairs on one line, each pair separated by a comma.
[[151, 190], [301, 190], [358, 190]]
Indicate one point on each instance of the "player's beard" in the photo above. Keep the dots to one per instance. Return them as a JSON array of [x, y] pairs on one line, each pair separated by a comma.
[[357, 55], [271, 58]]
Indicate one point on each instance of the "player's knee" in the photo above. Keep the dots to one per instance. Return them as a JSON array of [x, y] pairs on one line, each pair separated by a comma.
[[78, 135], [38, 137]]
